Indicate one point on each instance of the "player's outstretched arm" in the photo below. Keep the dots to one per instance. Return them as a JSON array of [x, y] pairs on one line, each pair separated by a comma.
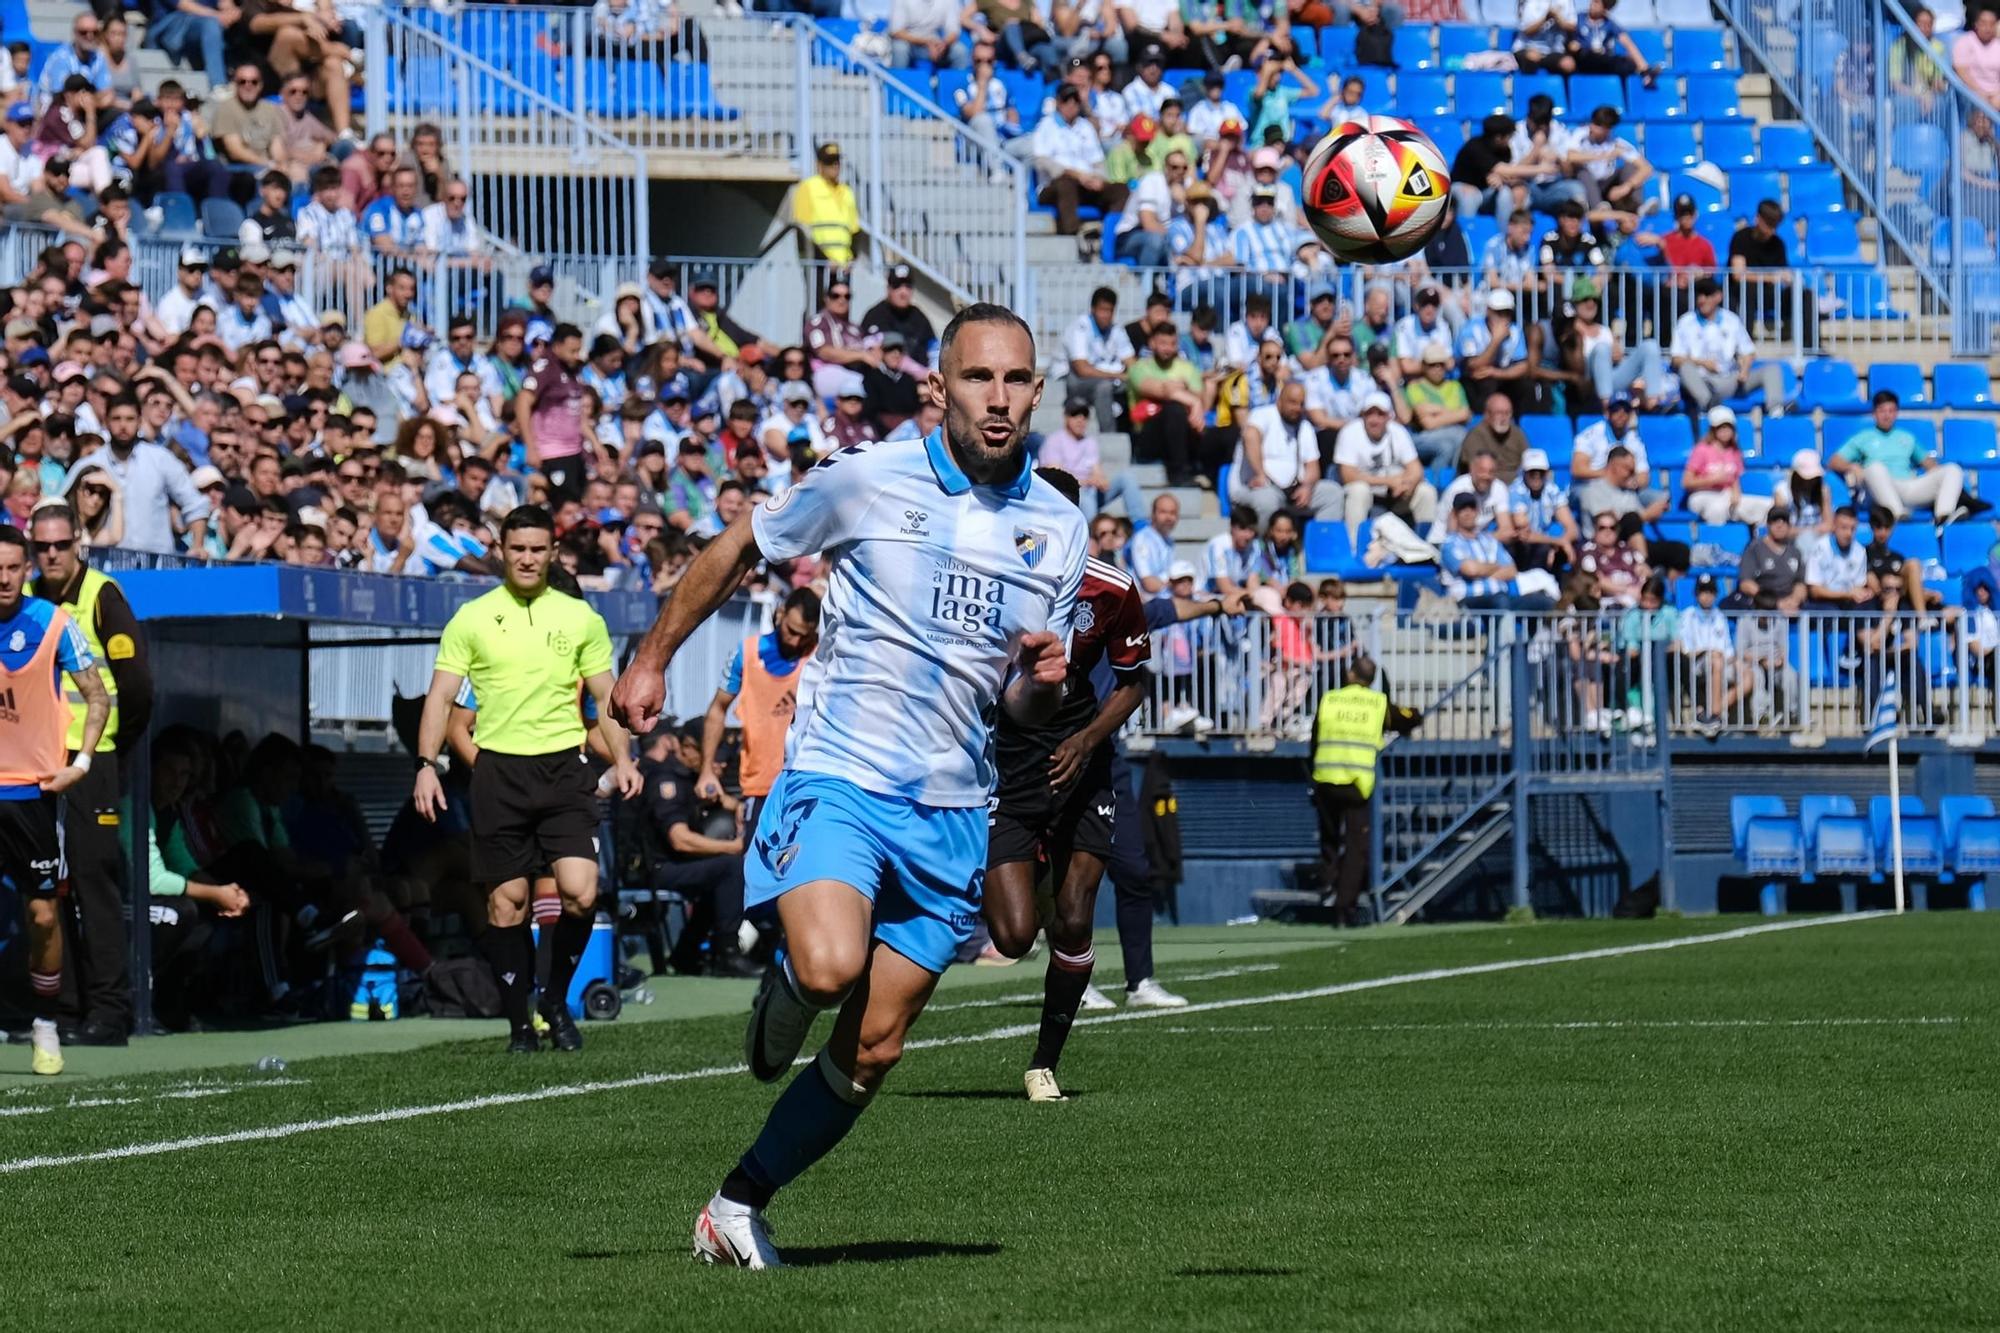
[[615, 740], [709, 582]]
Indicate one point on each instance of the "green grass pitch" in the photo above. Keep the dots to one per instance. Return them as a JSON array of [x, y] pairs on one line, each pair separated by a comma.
[[1784, 1129]]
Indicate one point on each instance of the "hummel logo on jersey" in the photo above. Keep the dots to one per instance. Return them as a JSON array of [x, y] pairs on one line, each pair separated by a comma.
[[913, 523]]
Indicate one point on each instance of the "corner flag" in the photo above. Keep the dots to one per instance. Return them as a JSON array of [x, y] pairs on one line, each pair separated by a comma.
[[1888, 714]]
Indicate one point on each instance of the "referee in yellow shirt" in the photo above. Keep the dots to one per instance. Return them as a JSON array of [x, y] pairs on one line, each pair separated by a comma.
[[526, 648]]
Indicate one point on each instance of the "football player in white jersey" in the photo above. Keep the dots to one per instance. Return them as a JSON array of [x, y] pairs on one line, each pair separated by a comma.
[[954, 576]]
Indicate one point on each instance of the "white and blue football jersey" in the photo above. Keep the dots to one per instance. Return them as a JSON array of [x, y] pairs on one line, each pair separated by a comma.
[[933, 580]]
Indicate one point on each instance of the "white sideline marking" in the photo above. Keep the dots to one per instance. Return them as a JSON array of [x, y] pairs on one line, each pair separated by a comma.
[[1582, 1025], [189, 1093], [297, 1127], [1034, 997]]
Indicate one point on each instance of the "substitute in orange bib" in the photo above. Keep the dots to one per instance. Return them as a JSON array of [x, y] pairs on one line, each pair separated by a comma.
[[38, 643], [762, 681], [97, 992]]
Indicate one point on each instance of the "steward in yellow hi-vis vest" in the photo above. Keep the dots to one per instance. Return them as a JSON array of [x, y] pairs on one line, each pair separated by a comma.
[[96, 991], [1347, 736]]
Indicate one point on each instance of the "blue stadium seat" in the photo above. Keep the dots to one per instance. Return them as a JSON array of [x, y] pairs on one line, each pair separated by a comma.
[[1528, 85], [1841, 848], [1974, 244], [1477, 96], [1664, 102], [1923, 836], [1422, 95], [1788, 145], [1336, 48], [1456, 41], [1108, 251], [1587, 92], [1449, 136], [1743, 809], [1812, 809], [1863, 293], [950, 83], [1712, 97], [1971, 835], [1552, 435], [1966, 547], [1670, 145], [1922, 149], [1816, 192], [1668, 440], [1697, 50], [1747, 189], [221, 219], [1652, 44], [1832, 386], [1411, 48], [1730, 143], [1832, 238], [1785, 437], [1964, 385], [1917, 539], [178, 220], [1706, 197], [1326, 546], [1903, 378], [1970, 442]]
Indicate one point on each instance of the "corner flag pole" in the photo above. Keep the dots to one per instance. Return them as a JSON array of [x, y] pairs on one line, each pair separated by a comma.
[[1886, 727]]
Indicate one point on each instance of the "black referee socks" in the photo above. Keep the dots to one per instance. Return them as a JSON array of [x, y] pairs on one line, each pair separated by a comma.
[[572, 937], [510, 952]]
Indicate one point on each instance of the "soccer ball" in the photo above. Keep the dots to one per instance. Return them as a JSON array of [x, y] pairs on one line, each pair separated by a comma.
[[1375, 190]]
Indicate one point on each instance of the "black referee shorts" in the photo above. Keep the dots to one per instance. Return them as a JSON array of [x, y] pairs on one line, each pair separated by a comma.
[[1028, 821], [530, 811], [31, 851]]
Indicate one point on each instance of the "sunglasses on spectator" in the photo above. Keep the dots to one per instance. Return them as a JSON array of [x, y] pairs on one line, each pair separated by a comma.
[[348, 478], [1607, 527], [50, 548], [298, 89], [837, 296], [91, 31], [249, 80]]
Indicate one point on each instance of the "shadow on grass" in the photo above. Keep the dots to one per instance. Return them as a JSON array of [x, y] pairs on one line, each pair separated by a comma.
[[1236, 1272], [883, 1252]]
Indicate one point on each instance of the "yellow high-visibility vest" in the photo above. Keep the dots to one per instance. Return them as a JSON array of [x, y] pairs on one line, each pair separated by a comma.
[[84, 612], [1350, 736]]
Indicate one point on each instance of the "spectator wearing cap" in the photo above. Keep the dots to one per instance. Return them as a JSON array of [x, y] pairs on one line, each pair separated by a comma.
[[1148, 88], [1097, 352], [270, 223], [1610, 167], [690, 491], [19, 168], [1771, 575], [796, 404], [1545, 533], [1277, 462], [1762, 282], [383, 324], [1686, 251], [1702, 642], [897, 313], [849, 425], [1263, 248], [892, 389], [1205, 118], [405, 374], [1423, 327], [1885, 461], [1714, 357], [394, 223], [1265, 165], [926, 30], [718, 337], [1073, 448], [1070, 159], [1167, 406], [1476, 570], [835, 340], [1614, 369], [1713, 479], [1379, 470], [363, 386], [155, 484], [1493, 354], [1438, 405], [824, 208]]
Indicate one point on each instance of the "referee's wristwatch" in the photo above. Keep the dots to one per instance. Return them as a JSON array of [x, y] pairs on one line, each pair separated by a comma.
[[431, 764]]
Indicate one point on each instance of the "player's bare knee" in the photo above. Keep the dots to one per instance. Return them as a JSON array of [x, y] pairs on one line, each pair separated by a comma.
[[1069, 932], [825, 971], [505, 912], [1013, 935], [581, 901]]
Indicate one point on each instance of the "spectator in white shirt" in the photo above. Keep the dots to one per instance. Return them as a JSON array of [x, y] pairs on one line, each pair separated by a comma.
[[1142, 227], [1543, 143], [1481, 481], [1097, 352], [1612, 169], [326, 224], [1070, 160], [1205, 118], [1379, 471], [1702, 640], [449, 228], [1422, 327], [926, 29], [1145, 93], [176, 309], [1713, 354], [1277, 462], [1151, 553]]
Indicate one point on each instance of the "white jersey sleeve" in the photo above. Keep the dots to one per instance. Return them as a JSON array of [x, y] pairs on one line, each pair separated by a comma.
[[823, 510]]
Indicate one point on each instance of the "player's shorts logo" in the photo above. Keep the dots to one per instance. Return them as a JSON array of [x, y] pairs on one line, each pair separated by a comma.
[[1030, 546], [1105, 812]]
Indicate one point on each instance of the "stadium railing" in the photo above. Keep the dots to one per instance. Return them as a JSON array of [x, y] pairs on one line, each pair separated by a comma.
[[1863, 311], [1899, 147], [930, 191]]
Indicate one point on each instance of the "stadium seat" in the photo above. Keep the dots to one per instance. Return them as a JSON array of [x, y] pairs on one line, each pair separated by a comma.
[[1863, 293], [1971, 835], [1832, 238], [1964, 385], [1336, 48], [1456, 41], [1449, 136], [1670, 145], [1422, 95], [1476, 96], [1587, 92], [1743, 809], [1108, 251], [1966, 547], [1326, 546], [1905, 379], [1668, 440], [1923, 837], [1662, 102], [1552, 435], [1917, 539], [178, 219], [1787, 145], [1974, 245], [221, 219], [1699, 50], [1747, 189], [1812, 809], [1816, 192], [1768, 843], [1411, 48], [1652, 42], [1832, 386], [1730, 144], [1712, 97], [1970, 443], [1528, 85]]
